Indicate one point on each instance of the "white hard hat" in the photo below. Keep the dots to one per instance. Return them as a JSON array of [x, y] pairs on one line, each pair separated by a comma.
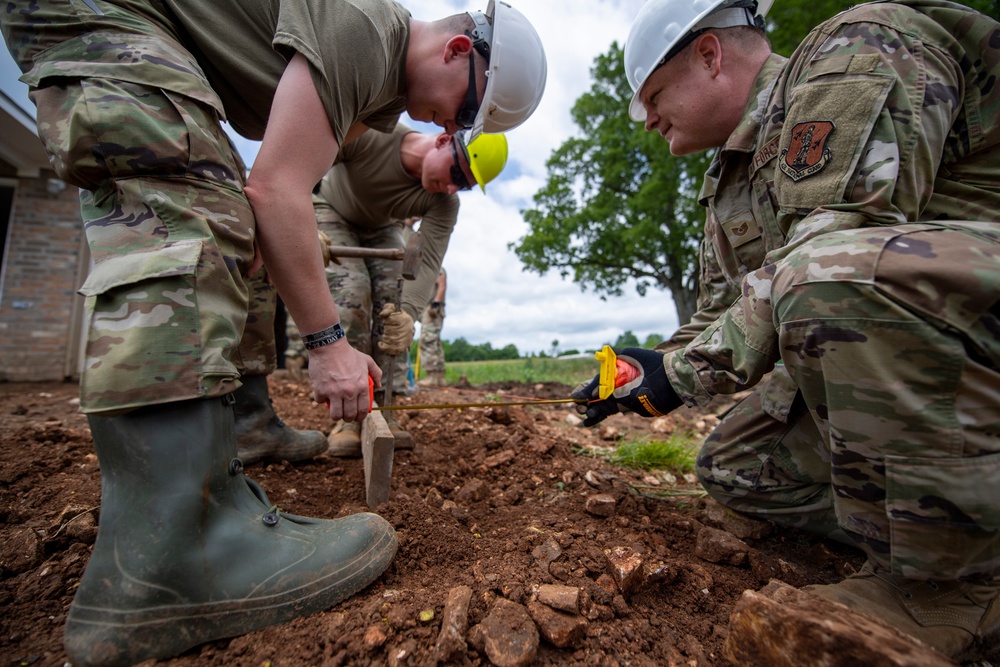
[[663, 24], [515, 78]]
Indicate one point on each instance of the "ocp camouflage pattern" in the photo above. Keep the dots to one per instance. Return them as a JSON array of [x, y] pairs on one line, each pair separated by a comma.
[[170, 230], [863, 253]]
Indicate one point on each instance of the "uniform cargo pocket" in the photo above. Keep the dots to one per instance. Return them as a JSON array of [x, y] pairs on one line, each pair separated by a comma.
[[145, 342], [943, 515]]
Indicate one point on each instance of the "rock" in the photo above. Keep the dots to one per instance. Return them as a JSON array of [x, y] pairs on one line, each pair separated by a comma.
[[563, 598], [600, 504], [658, 572], [609, 433], [625, 567], [434, 498], [509, 636], [718, 546], [78, 524], [559, 628], [461, 515], [402, 655], [475, 490], [780, 625], [597, 480], [505, 456], [604, 588], [20, 552], [737, 524], [546, 552], [454, 623], [374, 637]]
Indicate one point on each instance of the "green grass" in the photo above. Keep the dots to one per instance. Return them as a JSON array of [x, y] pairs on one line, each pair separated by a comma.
[[529, 370], [677, 454]]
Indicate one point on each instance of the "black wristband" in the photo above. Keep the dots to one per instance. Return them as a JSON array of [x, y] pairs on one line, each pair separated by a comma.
[[324, 337]]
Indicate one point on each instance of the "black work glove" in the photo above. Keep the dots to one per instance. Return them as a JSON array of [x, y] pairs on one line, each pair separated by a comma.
[[649, 394]]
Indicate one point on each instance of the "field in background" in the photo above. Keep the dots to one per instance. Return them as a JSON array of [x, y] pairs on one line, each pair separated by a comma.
[[570, 371]]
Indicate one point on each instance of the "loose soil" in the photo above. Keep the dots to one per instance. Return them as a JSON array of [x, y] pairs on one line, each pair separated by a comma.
[[495, 499]]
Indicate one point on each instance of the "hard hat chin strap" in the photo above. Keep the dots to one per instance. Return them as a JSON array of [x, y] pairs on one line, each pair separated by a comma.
[[482, 34]]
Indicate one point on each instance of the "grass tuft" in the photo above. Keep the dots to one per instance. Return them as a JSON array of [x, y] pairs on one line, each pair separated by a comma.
[[677, 454]]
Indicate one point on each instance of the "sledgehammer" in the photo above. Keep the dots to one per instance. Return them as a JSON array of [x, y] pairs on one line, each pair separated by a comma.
[[410, 256]]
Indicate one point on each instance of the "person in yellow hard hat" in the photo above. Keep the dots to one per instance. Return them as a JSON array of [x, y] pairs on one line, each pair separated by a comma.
[[379, 181]]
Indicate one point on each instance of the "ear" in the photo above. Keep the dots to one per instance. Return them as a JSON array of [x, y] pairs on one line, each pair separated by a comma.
[[442, 140], [707, 53], [459, 45]]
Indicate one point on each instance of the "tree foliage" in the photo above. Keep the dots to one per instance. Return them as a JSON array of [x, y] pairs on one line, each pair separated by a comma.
[[462, 350], [617, 207]]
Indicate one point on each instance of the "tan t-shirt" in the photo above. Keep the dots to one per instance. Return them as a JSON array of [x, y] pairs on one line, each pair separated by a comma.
[[369, 188], [357, 50]]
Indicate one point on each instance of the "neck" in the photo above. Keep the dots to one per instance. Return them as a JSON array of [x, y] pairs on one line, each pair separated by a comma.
[[412, 150]]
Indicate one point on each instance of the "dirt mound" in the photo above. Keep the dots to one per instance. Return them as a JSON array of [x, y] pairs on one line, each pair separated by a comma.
[[494, 503]]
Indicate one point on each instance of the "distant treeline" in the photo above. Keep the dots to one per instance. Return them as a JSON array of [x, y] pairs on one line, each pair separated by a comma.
[[462, 350]]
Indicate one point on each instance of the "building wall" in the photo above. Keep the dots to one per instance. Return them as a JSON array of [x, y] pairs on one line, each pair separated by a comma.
[[39, 307]]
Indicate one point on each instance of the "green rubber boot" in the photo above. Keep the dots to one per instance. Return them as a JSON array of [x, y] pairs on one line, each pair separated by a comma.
[[260, 433], [189, 550]]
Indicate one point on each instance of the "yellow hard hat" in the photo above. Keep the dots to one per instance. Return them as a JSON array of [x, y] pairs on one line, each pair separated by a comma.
[[487, 156]]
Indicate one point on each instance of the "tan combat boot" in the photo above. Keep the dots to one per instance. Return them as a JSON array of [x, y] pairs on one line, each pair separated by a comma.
[[959, 619], [433, 379], [344, 440], [402, 439]]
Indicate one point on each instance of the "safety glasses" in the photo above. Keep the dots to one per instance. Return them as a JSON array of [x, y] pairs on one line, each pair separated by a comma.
[[457, 173], [466, 116]]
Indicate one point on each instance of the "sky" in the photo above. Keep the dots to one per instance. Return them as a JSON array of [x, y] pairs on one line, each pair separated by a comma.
[[491, 298]]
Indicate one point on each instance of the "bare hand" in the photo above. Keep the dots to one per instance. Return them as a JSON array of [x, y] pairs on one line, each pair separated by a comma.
[[339, 377]]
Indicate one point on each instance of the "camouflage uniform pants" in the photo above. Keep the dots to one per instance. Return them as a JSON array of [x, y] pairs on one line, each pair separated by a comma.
[[431, 351], [171, 234], [361, 287], [892, 337]]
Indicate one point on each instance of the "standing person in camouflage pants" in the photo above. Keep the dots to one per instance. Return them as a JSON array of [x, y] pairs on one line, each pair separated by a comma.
[[130, 96], [431, 323], [851, 256], [377, 182]]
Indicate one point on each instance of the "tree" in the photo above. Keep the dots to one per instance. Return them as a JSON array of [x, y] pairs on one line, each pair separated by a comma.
[[617, 207], [627, 339]]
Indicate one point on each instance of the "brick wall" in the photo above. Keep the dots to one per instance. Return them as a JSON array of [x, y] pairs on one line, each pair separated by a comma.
[[40, 276]]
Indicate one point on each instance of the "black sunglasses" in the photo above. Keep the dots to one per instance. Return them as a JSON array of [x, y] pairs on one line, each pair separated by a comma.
[[466, 116], [457, 173]]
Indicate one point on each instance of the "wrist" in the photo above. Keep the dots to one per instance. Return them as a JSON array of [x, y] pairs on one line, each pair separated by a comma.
[[323, 337]]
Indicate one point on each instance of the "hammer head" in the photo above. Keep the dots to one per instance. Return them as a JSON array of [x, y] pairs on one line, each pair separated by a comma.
[[411, 256]]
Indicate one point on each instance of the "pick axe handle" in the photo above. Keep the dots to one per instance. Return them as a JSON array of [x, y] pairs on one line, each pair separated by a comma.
[[390, 371]]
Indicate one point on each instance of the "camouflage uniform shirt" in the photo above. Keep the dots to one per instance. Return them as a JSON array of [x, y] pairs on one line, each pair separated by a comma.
[[880, 117]]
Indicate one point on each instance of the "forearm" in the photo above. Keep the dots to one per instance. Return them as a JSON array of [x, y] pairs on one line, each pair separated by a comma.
[[286, 229]]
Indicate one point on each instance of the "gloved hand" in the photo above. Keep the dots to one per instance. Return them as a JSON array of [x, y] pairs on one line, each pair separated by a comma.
[[649, 394], [436, 309], [324, 247], [397, 334]]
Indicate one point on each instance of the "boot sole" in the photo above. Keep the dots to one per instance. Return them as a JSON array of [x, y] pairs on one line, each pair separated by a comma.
[[113, 637]]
